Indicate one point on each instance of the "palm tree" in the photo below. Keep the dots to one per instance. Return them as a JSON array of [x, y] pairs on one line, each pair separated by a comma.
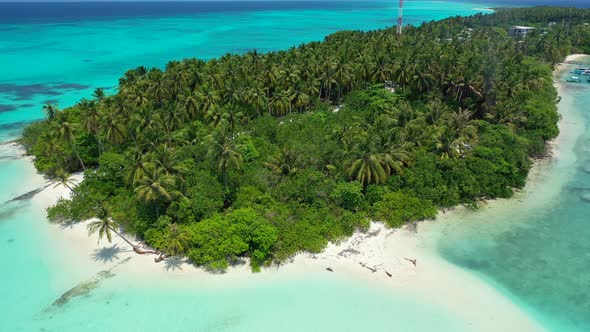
[[113, 129], [64, 179], [105, 226], [155, 186], [158, 88], [92, 122], [402, 76], [176, 241], [457, 136], [99, 94], [223, 151], [299, 98], [191, 104], [286, 162], [372, 168], [280, 104], [66, 130], [50, 110], [165, 158]]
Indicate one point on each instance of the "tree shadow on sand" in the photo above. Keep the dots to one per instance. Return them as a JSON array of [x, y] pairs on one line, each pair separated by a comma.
[[174, 263], [107, 254]]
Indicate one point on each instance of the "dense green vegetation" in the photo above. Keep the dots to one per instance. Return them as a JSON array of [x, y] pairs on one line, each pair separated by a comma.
[[247, 155]]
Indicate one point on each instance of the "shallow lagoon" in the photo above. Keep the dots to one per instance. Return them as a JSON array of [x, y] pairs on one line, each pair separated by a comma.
[[535, 247]]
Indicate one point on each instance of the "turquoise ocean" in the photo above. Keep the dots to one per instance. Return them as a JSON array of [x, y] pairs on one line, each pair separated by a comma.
[[59, 54]]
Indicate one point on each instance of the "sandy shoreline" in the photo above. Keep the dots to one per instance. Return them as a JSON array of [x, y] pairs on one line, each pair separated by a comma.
[[380, 249], [433, 279]]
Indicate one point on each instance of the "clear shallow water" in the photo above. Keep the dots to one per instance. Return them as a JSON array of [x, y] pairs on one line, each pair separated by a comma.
[[59, 54], [62, 59], [537, 248], [296, 305]]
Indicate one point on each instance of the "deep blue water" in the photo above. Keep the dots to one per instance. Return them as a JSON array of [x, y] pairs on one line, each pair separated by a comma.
[[85, 11], [39, 12], [572, 3]]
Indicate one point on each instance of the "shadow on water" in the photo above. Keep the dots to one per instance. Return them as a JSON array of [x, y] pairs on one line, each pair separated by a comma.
[[11, 207], [28, 195], [8, 211], [84, 288]]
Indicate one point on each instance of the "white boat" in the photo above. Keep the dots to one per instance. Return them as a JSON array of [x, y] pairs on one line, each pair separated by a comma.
[[580, 70], [574, 79]]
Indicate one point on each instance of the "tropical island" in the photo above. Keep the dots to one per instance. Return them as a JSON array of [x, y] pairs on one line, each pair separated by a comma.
[[267, 155]]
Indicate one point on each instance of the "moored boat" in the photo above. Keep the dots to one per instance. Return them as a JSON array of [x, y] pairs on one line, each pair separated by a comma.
[[574, 79]]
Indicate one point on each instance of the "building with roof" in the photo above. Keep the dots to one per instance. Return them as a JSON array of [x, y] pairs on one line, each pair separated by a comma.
[[519, 31]]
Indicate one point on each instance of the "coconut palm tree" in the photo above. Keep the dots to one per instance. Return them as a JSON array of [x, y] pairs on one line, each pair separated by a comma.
[[113, 129], [155, 186], [372, 168], [286, 162], [105, 226], [64, 179], [176, 240], [91, 121], [99, 94], [223, 151], [159, 86], [50, 111], [66, 131]]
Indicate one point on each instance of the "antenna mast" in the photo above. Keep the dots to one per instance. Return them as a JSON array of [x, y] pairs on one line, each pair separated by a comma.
[[400, 17]]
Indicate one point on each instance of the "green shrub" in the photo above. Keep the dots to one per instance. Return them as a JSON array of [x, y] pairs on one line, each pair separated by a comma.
[[398, 208], [348, 195]]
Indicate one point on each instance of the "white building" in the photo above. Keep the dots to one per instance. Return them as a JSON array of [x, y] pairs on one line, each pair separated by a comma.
[[519, 31]]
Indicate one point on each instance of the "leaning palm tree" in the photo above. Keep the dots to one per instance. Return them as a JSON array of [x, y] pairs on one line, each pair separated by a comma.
[[64, 179], [105, 226], [66, 131]]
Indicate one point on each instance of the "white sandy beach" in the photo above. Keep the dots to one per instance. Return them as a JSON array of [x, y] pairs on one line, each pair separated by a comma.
[[433, 278], [481, 306]]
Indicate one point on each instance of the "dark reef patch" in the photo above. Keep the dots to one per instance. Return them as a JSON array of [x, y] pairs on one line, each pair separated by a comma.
[[7, 108], [70, 86], [13, 125], [28, 91]]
